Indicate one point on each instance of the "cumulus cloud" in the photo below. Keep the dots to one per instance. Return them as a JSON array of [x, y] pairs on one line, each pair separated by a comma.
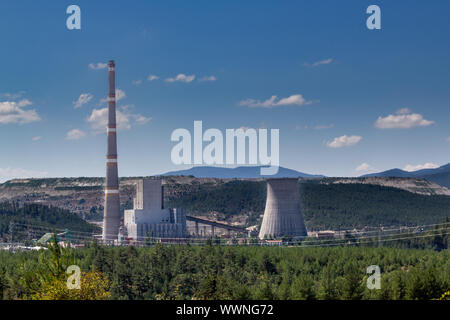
[[14, 112], [99, 120], [427, 165], [152, 77], [403, 111], [75, 134], [344, 141], [182, 78], [137, 82], [207, 78], [403, 119], [124, 117], [37, 138], [82, 100], [17, 173], [273, 102], [98, 66]]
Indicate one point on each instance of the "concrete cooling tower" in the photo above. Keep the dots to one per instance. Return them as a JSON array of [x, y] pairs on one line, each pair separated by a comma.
[[282, 216]]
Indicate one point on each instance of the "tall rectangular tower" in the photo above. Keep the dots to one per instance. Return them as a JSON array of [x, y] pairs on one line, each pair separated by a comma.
[[111, 218]]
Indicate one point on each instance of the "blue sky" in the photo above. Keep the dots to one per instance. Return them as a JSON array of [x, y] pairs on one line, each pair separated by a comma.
[[379, 99]]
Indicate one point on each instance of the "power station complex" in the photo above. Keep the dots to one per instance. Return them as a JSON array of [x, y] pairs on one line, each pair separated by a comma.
[[149, 218], [282, 215]]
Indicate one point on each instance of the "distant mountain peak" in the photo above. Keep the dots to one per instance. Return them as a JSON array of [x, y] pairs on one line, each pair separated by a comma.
[[439, 175], [246, 172]]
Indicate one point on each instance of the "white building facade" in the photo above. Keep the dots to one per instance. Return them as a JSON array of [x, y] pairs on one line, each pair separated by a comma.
[[149, 218]]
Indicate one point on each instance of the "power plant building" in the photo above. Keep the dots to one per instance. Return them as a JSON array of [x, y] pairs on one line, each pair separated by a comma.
[[149, 218], [282, 215]]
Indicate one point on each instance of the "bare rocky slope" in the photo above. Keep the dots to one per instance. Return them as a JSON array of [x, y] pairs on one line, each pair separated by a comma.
[[414, 185]]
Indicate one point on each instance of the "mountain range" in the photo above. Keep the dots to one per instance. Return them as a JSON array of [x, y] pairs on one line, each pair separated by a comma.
[[439, 175], [239, 172]]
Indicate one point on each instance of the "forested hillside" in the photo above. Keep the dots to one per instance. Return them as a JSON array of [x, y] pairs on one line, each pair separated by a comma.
[[35, 217], [217, 272], [324, 205]]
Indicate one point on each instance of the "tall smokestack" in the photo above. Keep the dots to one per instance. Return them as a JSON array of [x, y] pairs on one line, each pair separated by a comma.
[[111, 219]]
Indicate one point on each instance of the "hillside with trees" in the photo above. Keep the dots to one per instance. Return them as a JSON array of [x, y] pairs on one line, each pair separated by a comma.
[[324, 206], [217, 272], [32, 220]]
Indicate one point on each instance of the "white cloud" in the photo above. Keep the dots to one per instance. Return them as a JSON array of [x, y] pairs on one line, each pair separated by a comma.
[[273, 101], [323, 126], [344, 141], [37, 138], [124, 117], [181, 78], [137, 82], [98, 66], [14, 112], [99, 120], [427, 165], [403, 111], [403, 119], [120, 94], [82, 100], [365, 167], [140, 119], [17, 173], [152, 77], [322, 62], [316, 127], [75, 134], [13, 96], [207, 78]]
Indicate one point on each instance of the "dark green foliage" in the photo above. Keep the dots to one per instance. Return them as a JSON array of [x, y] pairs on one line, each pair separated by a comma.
[[33, 220], [216, 272], [359, 205]]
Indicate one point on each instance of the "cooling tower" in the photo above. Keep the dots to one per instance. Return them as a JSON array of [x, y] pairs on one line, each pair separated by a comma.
[[111, 218], [282, 216]]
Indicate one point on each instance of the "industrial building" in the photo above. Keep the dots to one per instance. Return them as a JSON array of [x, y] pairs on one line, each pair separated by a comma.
[[149, 218], [282, 215]]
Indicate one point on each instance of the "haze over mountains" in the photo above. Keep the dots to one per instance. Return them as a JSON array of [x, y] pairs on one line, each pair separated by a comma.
[[239, 172], [439, 175]]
